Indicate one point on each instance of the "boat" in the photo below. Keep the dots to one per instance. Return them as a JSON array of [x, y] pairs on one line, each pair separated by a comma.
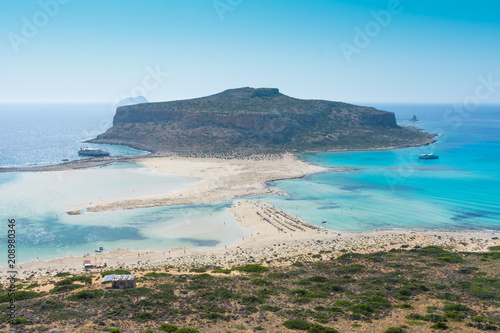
[[324, 221], [428, 156], [93, 152], [100, 249]]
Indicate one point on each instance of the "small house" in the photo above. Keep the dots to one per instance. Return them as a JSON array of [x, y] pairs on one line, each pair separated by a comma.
[[87, 264], [119, 281]]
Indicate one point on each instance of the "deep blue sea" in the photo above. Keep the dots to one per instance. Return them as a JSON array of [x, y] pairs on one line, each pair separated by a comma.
[[389, 189], [36, 135]]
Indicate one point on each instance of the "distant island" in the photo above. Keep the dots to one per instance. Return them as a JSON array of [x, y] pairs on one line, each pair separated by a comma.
[[254, 121], [414, 118]]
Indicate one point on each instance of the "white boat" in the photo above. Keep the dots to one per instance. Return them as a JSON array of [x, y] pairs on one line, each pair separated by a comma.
[[428, 156]]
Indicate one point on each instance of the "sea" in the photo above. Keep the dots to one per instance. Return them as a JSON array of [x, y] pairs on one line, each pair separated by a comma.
[[379, 190]]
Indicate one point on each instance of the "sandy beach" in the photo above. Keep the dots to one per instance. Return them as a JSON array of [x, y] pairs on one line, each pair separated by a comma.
[[273, 237], [218, 180]]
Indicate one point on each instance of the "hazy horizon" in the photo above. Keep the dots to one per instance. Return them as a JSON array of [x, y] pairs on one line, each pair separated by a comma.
[[62, 51]]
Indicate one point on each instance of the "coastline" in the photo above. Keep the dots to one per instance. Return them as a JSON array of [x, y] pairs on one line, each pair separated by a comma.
[[263, 242], [224, 179]]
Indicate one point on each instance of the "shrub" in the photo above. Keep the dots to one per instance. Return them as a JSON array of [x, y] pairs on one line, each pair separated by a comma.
[[362, 309], [297, 324], [252, 309], [270, 308], [87, 294], [20, 321], [115, 271], [50, 305], [434, 318], [156, 275], [321, 329], [168, 328], [303, 300], [344, 303], [19, 296], [448, 297], [454, 315], [415, 316], [251, 268], [432, 309], [214, 315], [144, 316], [298, 292], [260, 282], [187, 330], [468, 270], [432, 251], [64, 288], [321, 318], [333, 288], [219, 293], [451, 258], [114, 330], [405, 306], [355, 268], [349, 256], [252, 299], [440, 326], [456, 307], [223, 271], [395, 330]]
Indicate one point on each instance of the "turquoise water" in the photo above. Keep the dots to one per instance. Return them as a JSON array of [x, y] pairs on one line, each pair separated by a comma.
[[393, 189], [39, 202], [389, 189]]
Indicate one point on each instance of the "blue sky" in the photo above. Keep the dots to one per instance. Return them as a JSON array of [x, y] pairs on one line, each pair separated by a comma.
[[102, 51]]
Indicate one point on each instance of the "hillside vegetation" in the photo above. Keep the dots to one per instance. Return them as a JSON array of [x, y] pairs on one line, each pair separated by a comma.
[[248, 121], [422, 289]]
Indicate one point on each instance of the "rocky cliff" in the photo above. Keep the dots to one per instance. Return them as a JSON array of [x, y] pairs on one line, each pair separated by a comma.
[[248, 120]]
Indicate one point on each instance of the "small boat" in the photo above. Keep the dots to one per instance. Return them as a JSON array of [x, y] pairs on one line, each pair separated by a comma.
[[428, 156], [93, 152], [324, 221], [100, 249]]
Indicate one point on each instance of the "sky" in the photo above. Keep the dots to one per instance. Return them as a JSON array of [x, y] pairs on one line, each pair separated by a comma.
[[357, 51]]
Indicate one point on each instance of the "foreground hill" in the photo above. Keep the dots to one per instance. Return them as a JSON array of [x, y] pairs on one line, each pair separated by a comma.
[[249, 120], [424, 289]]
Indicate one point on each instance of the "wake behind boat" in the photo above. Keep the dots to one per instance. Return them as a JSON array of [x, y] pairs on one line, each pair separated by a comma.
[[428, 156], [92, 152]]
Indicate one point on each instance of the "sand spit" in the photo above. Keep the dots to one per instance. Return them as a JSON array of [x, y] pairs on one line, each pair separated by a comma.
[[219, 180]]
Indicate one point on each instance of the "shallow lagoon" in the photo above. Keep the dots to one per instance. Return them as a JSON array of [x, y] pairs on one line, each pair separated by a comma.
[[39, 201]]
